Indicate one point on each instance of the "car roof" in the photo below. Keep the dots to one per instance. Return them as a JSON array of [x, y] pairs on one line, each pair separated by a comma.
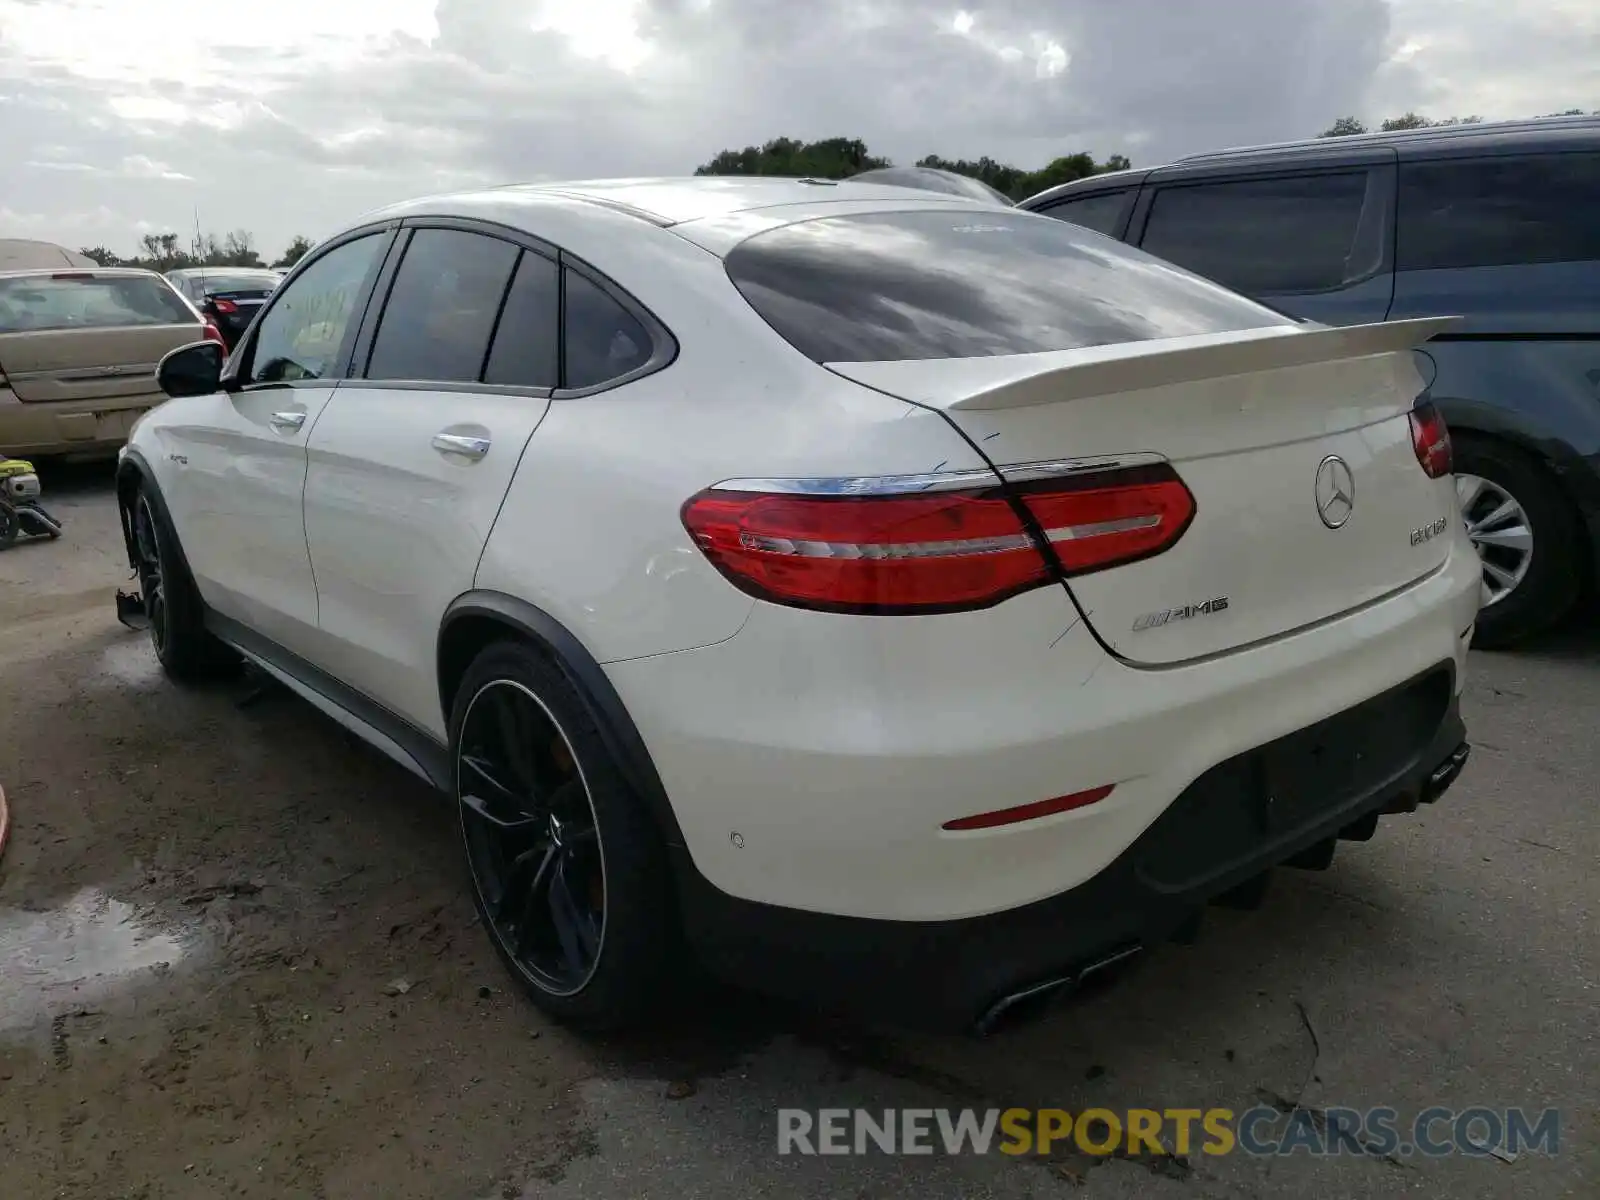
[[77, 272], [673, 201], [187, 271], [1440, 141], [1528, 135], [20, 254]]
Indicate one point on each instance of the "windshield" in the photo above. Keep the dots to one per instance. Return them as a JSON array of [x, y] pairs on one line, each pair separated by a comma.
[[40, 302], [969, 283]]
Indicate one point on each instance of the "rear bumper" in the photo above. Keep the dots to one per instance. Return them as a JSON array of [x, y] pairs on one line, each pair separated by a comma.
[[74, 427], [1386, 755], [812, 761]]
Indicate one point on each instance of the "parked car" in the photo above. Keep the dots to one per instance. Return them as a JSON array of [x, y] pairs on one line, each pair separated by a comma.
[[895, 601], [25, 254], [78, 355], [228, 296], [1495, 223], [932, 179]]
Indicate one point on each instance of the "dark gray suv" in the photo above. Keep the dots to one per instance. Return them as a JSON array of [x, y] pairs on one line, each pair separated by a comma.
[[1498, 224]]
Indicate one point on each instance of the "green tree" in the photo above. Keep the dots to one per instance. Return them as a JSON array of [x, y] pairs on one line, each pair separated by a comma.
[[831, 158], [1344, 127], [840, 158], [297, 250], [100, 255]]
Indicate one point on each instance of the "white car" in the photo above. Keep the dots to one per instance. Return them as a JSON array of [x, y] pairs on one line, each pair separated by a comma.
[[887, 599]]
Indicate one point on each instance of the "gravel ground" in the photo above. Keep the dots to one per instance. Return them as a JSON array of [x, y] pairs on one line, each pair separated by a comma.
[[237, 959]]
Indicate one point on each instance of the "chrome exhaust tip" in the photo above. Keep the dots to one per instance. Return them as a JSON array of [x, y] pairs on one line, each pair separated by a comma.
[[1034, 999]]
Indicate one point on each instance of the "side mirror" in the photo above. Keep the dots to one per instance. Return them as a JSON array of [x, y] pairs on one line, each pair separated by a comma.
[[192, 370]]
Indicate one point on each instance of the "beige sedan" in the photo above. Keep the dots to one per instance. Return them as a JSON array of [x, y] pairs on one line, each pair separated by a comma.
[[78, 354]]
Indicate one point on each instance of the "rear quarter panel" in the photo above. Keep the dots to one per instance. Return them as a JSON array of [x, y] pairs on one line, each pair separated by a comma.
[[591, 530]]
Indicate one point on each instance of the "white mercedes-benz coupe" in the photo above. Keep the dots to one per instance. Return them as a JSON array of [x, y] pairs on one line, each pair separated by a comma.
[[881, 598]]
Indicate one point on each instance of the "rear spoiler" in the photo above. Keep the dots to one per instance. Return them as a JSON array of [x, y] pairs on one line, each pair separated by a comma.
[[1025, 380]]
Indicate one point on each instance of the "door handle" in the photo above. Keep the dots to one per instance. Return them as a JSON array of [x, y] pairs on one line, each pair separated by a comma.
[[458, 443], [288, 422]]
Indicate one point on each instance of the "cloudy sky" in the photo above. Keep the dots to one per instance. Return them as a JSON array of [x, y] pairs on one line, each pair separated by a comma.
[[119, 117]]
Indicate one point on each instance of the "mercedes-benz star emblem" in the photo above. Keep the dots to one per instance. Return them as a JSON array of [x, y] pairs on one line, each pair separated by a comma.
[[1336, 491]]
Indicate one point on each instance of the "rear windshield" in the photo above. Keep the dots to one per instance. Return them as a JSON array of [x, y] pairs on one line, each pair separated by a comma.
[[969, 284], [216, 284], [41, 302]]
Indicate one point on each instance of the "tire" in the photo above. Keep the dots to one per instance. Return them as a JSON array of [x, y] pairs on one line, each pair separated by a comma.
[[188, 653], [1551, 578], [637, 964], [9, 526]]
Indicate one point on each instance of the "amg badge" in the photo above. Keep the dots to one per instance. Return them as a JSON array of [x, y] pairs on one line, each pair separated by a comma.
[[1167, 615], [1428, 532]]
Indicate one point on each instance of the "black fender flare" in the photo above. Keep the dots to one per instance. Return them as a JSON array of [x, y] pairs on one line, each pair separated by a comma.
[[588, 679], [134, 474]]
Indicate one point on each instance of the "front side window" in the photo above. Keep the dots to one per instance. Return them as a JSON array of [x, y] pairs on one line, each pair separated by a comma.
[[1486, 212], [970, 283], [1261, 236], [302, 333], [441, 311], [81, 300], [1102, 213]]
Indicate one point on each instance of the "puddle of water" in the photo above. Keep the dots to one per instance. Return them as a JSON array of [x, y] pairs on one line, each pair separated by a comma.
[[79, 953]]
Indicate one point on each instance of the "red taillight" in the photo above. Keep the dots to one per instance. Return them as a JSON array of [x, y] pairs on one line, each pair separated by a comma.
[[1030, 812], [213, 334], [1430, 438], [1107, 518], [934, 552], [224, 306]]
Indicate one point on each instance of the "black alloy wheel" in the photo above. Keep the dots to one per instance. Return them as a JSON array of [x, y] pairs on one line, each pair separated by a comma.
[[152, 576], [533, 841]]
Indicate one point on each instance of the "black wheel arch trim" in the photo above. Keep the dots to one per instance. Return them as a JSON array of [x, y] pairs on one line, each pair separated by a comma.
[[594, 688], [133, 471]]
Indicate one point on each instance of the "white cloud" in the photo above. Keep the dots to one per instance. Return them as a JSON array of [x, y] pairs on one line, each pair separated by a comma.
[[299, 115]]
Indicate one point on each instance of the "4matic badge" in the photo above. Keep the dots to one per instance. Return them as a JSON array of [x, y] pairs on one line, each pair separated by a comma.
[[1166, 616]]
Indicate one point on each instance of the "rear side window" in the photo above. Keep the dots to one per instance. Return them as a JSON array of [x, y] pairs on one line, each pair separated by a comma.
[[1261, 235], [526, 349], [71, 301], [441, 310], [601, 339], [969, 283], [1523, 209], [1102, 213]]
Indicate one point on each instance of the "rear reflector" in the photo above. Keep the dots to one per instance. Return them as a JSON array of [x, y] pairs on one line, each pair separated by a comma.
[[224, 306], [1106, 518], [934, 552], [1030, 812], [1430, 438]]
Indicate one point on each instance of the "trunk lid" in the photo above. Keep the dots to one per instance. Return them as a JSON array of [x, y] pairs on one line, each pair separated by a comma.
[[87, 335], [1294, 441]]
